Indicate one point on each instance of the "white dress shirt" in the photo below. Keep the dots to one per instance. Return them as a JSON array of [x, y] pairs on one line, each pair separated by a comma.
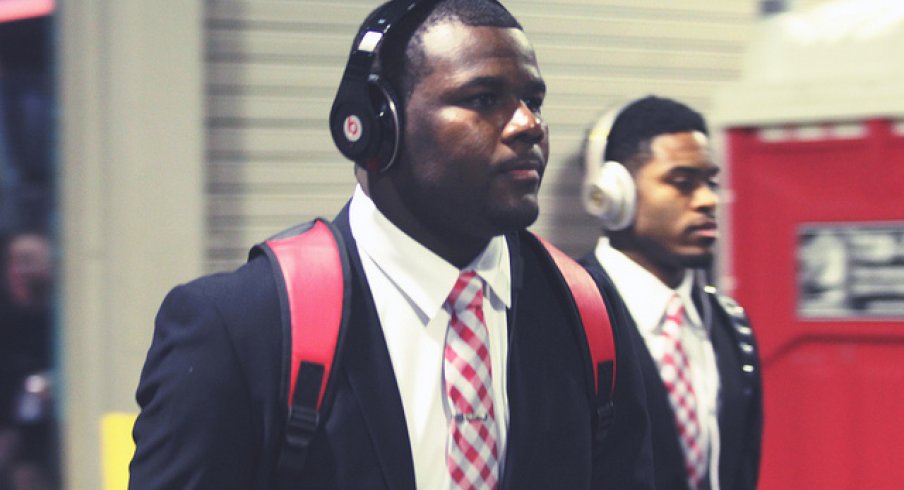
[[646, 298], [410, 284]]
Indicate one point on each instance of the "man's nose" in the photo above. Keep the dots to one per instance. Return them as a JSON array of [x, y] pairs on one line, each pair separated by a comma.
[[706, 197], [525, 124]]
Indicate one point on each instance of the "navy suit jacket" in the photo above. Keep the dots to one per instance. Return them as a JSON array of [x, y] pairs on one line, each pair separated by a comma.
[[212, 413], [740, 410]]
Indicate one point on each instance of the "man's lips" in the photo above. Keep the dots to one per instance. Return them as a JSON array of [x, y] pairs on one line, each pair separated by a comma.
[[524, 173], [706, 229], [524, 168]]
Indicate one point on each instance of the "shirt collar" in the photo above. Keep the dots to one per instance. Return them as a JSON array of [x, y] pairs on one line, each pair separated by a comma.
[[421, 275], [643, 293]]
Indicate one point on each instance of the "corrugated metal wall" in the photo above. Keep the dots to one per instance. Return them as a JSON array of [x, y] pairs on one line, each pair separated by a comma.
[[273, 68]]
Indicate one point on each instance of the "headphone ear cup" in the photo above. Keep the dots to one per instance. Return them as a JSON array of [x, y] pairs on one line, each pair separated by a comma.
[[611, 196], [353, 123], [364, 123], [388, 122]]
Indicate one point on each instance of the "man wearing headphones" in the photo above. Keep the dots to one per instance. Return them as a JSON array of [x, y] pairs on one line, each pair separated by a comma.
[[464, 363], [651, 181]]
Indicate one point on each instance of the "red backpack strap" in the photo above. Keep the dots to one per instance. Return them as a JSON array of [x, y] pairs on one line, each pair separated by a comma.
[[310, 267], [597, 328]]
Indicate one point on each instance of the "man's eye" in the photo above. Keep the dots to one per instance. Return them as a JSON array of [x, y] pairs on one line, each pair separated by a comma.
[[535, 104], [684, 184], [482, 101]]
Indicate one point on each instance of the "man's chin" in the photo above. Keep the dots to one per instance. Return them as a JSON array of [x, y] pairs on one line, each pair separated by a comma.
[[697, 261], [516, 218]]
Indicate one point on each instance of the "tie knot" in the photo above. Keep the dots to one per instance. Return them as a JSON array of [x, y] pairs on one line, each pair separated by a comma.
[[467, 292], [674, 311]]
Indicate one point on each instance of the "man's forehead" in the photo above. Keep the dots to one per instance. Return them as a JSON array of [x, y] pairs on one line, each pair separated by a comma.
[[451, 39], [680, 141], [687, 145]]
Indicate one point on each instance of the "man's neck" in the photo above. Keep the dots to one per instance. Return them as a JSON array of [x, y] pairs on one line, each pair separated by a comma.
[[457, 249], [669, 275]]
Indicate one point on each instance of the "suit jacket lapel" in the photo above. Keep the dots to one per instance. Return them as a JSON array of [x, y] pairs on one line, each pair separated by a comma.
[[733, 406], [517, 268], [549, 430], [369, 369], [665, 430]]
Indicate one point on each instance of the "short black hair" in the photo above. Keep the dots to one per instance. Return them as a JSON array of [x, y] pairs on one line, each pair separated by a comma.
[[402, 53], [644, 119]]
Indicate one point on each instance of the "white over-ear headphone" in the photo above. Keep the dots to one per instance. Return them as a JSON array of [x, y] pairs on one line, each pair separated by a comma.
[[608, 192]]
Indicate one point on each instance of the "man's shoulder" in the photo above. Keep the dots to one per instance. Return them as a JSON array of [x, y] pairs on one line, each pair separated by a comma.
[[593, 265], [731, 318], [599, 274], [252, 276], [230, 313], [243, 293], [726, 304]]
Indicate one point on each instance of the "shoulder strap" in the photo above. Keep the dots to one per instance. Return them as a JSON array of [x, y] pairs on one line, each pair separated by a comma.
[[311, 268], [597, 328]]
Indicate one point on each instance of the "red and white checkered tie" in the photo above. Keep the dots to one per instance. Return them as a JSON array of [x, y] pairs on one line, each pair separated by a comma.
[[472, 454], [674, 368]]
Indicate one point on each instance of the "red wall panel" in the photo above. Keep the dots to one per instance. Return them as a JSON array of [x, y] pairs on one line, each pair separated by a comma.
[[833, 386]]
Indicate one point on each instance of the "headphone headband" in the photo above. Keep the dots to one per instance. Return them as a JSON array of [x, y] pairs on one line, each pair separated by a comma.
[[373, 32], [598, 138]]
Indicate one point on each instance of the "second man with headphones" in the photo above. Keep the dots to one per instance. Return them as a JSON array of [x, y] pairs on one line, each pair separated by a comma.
[[651, 181]]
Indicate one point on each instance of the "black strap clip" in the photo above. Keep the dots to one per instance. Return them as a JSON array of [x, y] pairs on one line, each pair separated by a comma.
[[302, 423], [605, 407], [603, 420], [301, 426]]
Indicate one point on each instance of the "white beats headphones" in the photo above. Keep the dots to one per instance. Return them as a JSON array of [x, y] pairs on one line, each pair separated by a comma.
[[608, 192]]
